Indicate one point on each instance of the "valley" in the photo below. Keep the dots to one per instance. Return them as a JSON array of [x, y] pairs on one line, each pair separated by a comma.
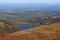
[[43, 26], [29, 21]]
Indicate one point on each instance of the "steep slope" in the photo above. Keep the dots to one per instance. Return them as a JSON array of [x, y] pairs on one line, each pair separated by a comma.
[[5, 29], [47, 32]]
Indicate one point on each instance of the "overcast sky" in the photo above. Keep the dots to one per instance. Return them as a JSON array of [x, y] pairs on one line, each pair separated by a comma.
[[31, 1]]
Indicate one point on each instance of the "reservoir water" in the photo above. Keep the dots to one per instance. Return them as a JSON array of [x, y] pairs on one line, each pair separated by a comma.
[[26, 27]]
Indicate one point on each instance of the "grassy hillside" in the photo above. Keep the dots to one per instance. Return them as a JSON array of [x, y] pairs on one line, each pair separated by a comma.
[[6, 29], [2, 24], [47, 32]]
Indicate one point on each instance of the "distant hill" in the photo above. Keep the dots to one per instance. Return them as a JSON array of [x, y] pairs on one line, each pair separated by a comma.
[[28, 6], [47, 32]]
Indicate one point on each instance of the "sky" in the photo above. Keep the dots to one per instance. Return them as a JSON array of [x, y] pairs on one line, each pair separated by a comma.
[[31, 1]]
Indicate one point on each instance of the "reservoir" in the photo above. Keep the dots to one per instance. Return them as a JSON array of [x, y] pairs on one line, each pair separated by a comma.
[[26, 27]]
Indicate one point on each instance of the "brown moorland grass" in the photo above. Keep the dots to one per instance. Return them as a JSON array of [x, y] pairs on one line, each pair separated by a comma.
[[47, 32]]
